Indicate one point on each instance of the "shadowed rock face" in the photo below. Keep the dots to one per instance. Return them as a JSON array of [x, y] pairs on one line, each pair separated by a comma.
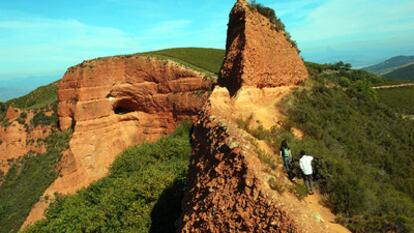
[[257, 55]]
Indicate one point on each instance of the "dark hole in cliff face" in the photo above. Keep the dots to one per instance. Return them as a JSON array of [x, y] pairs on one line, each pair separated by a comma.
[[125, 106]]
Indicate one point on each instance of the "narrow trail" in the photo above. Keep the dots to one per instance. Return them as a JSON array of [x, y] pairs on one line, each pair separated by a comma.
[[310, 211], [313, 202], [394, 86]]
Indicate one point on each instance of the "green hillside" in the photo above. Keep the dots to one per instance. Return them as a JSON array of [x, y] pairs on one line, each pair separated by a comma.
[[200, 58], [401, 99], [41, 97], [142, 193], [404, 73], [390, 65], [363, 150]]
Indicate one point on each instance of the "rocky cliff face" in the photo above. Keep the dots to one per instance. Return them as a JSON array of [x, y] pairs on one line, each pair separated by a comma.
[[114, 103], [228, 189], [16, 139], [256, 54]]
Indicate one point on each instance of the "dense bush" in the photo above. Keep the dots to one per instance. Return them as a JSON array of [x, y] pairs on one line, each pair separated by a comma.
[[363, 150], [399, 99], [26, 181], [142, 193]]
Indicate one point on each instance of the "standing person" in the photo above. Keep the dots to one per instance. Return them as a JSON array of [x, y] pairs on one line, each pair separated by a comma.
[[305, 163], [286, 155]]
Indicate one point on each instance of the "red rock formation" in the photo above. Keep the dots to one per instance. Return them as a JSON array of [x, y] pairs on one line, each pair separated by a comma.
[[225, 193], [227, 190], [114, 103], [16, 140], [256, 54]]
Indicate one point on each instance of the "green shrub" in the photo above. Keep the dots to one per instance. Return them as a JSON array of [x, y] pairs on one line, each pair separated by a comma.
[[22, 118], [142, 193], [278, 186], [40, 118]]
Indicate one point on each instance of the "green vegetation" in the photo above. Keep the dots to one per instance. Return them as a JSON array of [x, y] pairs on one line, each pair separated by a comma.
[[390, 65], [26, 181], [277, 24], [42, 117], [41, 97], [142, 193], [3, 109], [403, 73], [400, 99], [209, 60], [363, 150]]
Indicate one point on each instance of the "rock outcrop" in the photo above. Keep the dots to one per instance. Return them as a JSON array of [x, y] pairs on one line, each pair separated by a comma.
[[116, 102], [256, 54], [16, 139], [228, 190]]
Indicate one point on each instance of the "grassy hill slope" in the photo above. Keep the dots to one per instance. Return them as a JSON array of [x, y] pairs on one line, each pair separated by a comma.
[[200, 58], [390, 65], [400, 99], [403, 73]]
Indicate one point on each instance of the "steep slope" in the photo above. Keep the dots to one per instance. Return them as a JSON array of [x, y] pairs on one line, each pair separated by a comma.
[[403, 73], [30, 147], [113, 103], [390, 65], [229, 188]]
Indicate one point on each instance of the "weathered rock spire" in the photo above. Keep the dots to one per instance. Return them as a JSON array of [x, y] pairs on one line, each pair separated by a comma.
[[256, 54]]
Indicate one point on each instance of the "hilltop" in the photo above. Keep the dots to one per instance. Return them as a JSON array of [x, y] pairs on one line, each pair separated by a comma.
[[403, 73], [390, 65]]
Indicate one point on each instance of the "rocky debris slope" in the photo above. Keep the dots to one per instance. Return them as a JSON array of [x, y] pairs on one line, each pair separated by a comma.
[[224, 192], [116, 102], [257, 55], [18, 137]]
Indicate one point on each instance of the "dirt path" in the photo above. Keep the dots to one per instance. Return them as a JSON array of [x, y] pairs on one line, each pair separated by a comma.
[[394, 86], [313, 202]]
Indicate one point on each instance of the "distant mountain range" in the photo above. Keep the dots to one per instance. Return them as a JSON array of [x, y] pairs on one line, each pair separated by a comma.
[[400, 68]]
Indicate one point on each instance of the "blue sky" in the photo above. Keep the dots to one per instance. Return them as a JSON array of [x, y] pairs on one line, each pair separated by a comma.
[[40, 39]]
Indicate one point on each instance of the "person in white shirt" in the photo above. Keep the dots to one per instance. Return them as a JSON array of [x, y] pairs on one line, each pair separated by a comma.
[[305, 163]]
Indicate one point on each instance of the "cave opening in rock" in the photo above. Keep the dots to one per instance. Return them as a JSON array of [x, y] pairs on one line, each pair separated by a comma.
[[125, 106]]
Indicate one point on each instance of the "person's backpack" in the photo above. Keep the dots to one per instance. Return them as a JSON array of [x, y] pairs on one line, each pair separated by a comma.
[[285, 152]]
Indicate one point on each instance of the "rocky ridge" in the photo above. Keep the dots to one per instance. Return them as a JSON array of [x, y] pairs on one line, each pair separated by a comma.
[[228, 183]]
